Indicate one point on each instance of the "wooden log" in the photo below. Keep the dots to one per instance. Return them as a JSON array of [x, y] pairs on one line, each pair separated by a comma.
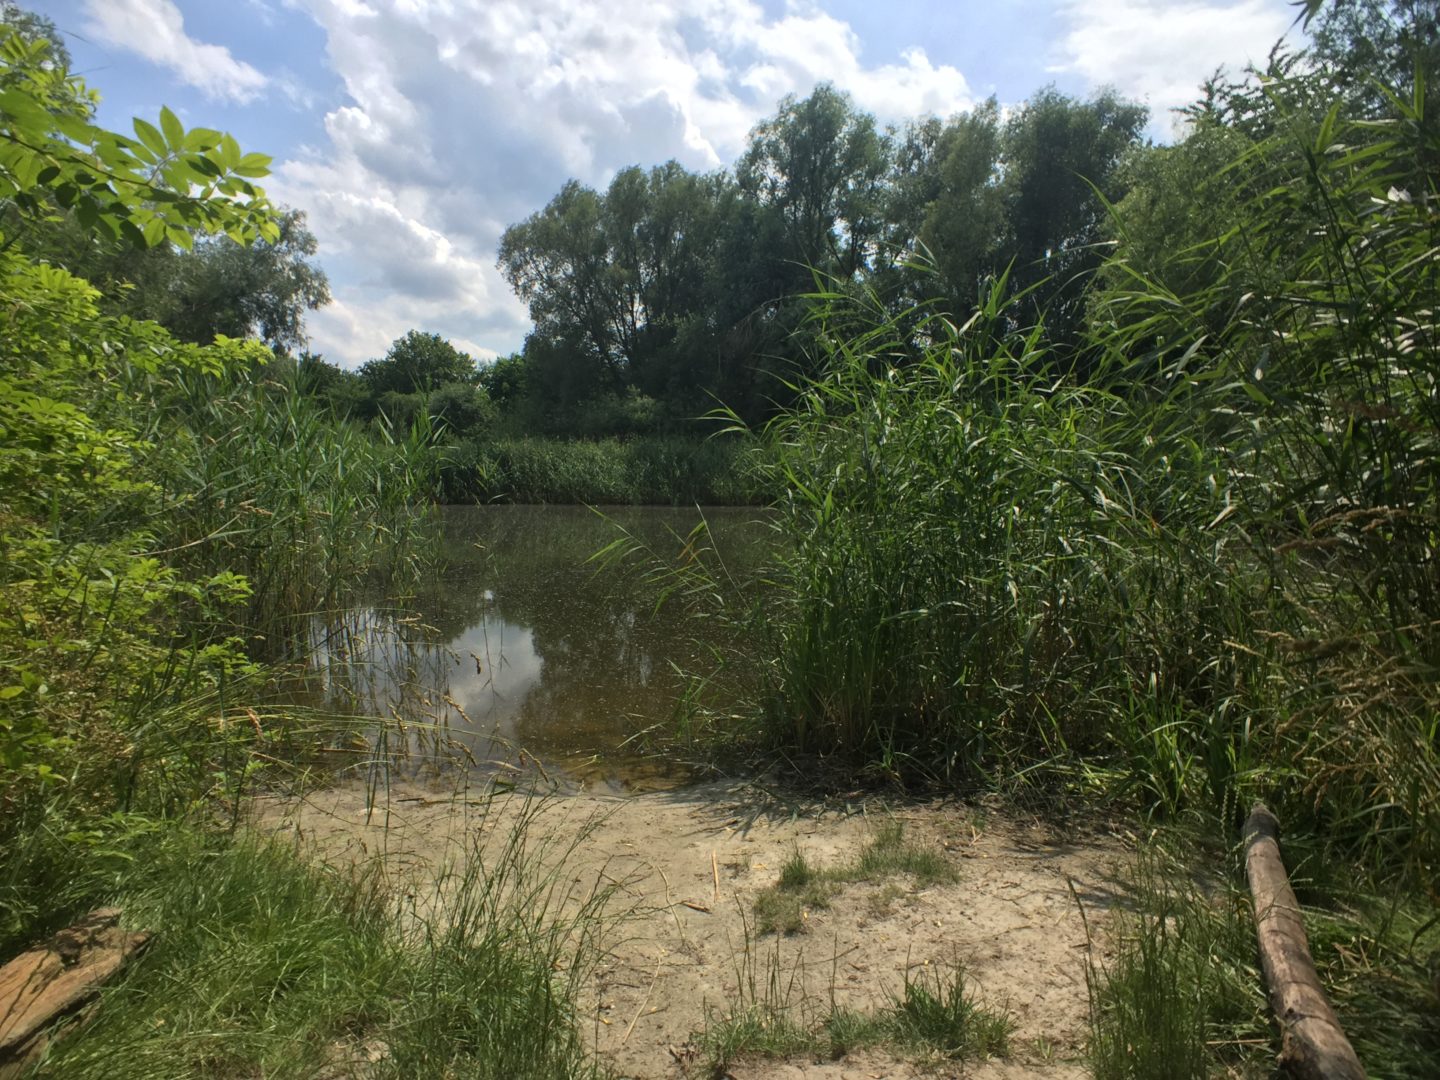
[[56, 980], [1313, 1045]]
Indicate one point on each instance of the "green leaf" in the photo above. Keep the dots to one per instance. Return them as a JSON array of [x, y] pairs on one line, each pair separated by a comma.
[[230, 155], [132, 234], [150, 136], [154, 231], [181, 238], [205, 166], [174, 130], [202, 138]]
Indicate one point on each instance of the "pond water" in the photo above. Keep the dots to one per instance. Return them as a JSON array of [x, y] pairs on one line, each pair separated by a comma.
[[523, 649]]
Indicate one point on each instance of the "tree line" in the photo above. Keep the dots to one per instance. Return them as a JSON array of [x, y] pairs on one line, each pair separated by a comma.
[[671, 291]]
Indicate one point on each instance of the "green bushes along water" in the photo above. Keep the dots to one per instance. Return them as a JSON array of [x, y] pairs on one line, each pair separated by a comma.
[[652, 470]]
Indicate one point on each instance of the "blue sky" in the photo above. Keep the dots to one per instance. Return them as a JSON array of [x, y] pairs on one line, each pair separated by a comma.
[[412, 132]]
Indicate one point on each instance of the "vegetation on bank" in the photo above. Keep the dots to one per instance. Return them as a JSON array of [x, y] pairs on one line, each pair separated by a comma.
[[936, 1018], [803, 886], [1198, 571], [651, 470], [172, 515], [264, 963], [1180, 564], [1154, 523]]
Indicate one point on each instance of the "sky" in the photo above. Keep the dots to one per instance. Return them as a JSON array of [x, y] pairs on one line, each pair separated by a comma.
[[413, 132]]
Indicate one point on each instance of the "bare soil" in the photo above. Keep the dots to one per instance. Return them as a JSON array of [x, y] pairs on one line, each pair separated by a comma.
[[685, 867]]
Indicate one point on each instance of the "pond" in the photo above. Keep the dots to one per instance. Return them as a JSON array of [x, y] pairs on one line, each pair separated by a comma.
[[523, 649]]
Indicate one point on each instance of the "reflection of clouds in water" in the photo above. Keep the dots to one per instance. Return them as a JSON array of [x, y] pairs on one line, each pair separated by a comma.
[[509, 668], [573, 660]]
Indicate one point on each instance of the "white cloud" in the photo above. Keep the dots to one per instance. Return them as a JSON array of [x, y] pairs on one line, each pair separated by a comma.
[[464, 116], [155, 29], [1161, 50]]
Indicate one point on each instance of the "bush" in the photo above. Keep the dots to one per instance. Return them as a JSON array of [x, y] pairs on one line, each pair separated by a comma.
[[655, 470]]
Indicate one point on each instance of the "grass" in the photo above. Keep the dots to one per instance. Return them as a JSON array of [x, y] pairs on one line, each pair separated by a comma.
[[1182, 994], [804, 887], [267, 964], [1182, 981], [935, 1016], [652, 470]]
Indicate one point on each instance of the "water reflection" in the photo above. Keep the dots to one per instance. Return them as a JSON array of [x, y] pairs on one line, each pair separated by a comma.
[[521, 648]]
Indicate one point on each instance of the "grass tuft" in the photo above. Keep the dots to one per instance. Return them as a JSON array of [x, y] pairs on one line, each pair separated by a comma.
[[804, 887], [938, 1014]]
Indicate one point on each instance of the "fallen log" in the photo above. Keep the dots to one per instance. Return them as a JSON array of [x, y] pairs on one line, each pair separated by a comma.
[[56, 980], [1313, 1046]]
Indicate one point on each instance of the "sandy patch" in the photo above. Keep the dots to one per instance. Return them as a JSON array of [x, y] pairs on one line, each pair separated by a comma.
[[686, 947]]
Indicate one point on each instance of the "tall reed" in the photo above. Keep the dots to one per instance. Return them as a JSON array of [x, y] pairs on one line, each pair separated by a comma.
[[984, 571]]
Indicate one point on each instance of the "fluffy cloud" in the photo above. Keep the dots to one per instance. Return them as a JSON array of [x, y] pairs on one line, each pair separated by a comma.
[[155, 29], [1161, 50], [463, 116]]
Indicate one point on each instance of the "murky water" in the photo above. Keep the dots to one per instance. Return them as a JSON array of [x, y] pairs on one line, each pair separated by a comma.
[[524, 649]]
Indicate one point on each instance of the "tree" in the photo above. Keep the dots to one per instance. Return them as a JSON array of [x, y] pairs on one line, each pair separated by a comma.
[[959, 214], [464, 409], [1060, 161], [626, 289], [821, 165], [1365, 45], [262, 289], [80, 492], [418, 363], [505, 380], [556, 261], [34, 28]]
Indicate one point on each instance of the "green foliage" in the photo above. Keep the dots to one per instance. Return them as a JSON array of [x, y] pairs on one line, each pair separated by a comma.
[[418, 363], [804, 887], [506, 380], [464, 409], [1309, 357], [685, 289], [1181, 985], [820, 166], [264, 963], [222, 287], [655, 471], [934, 1016], [939, 1014], [1367, 45], [168, 514], [1204, 572], [949, 504], [1180, 992], [165, 183]]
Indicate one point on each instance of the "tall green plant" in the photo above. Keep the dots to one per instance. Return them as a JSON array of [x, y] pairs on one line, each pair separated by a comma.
[[986, 561], [1309, 363]]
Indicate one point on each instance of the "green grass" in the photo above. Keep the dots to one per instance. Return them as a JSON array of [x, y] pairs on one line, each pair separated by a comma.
[[651, 470], [1181, 994], [804, 887], [939, 1015], [785, 906], [1182, 975], [265, 964], [934, 1017]]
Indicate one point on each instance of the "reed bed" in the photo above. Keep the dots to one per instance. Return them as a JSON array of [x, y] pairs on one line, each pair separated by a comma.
[[647, 470]]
